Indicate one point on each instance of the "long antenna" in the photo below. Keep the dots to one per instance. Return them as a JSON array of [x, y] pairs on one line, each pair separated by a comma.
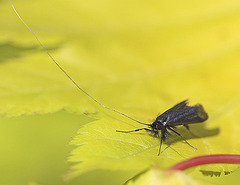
[[68, 75]]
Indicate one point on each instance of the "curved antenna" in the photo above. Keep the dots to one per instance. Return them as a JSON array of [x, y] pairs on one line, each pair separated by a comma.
[[68, 75]]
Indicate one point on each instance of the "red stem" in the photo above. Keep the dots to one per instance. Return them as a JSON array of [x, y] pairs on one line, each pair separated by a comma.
[[206, 159]]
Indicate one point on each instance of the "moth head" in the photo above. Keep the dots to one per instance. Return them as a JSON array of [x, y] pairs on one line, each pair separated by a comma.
[[157, 125]]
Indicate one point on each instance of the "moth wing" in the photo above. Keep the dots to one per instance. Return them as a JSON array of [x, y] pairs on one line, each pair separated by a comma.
[[201, 114], [175, 108], [188, 115]]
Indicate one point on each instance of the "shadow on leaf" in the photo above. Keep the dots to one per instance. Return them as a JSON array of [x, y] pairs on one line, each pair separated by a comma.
[[9, 50], [196, 131]]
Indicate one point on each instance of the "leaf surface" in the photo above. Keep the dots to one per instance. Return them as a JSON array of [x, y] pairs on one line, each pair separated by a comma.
[[138, 57], [155, 176]]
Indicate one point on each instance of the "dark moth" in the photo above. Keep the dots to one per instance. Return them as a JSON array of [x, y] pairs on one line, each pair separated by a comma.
[[180, 114]]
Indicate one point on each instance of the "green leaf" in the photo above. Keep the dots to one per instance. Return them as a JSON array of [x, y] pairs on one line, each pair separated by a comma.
[[138, 57], [155, 176], [34, 148], [215, 178], [229, 179]]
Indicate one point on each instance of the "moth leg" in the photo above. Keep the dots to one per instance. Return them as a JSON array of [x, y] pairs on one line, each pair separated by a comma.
[[187, 127], [133, 130], [181, 137], [159, 151]]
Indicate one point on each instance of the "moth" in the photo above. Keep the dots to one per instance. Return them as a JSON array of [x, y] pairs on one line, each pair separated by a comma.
[[180, 114]]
